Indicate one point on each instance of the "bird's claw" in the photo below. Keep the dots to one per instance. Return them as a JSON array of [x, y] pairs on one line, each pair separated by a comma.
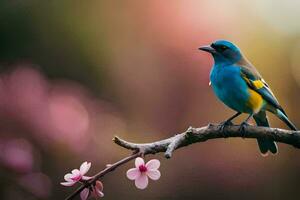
[[242, 128], [222, 127]]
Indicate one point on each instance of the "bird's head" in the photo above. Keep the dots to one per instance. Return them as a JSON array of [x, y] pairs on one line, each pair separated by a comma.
[[224, 52]]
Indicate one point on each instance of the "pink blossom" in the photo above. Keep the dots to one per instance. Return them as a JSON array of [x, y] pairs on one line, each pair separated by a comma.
[[96, 191], [77, 175], [142, 171]]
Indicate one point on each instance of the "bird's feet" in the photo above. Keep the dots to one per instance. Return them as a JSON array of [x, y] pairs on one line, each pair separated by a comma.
[[222, 126], [242, 128]]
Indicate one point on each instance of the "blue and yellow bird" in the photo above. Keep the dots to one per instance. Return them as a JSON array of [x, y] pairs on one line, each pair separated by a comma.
[[238, 84]]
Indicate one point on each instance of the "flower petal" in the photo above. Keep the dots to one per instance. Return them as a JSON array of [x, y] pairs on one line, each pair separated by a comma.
[[139, 161], [142, 181], [98, 193], [84, 168], [68, 177], [86, 178], [133, 173], [153, 174], [153, 164], [99, 186], [67, 184], [75, 172], [76, 176], [84, 194]]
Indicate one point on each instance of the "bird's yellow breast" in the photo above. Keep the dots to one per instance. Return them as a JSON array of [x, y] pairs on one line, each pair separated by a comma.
[[255, 101]]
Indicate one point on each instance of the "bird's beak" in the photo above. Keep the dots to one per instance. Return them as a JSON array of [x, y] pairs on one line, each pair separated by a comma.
[[207, 49]]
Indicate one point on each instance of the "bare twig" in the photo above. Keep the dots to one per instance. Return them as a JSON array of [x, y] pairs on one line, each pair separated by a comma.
[[190, 136]]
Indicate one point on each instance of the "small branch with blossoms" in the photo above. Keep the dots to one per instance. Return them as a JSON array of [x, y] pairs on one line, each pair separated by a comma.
[[93, 187]]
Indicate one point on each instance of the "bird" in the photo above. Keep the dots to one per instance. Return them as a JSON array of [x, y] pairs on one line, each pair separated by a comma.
[[239, 85]]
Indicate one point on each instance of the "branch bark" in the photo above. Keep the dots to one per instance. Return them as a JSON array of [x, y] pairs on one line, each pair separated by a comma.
[[212, 131]]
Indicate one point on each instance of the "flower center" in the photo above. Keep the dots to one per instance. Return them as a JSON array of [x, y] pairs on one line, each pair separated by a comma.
[[142, 168], [77, 178]]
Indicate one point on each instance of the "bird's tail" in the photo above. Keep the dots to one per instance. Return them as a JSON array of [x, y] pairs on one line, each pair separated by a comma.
[[281, 114], [265, 145]]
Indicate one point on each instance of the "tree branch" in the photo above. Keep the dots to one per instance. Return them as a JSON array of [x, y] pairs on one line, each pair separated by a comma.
[[194, 135], [190, 136]]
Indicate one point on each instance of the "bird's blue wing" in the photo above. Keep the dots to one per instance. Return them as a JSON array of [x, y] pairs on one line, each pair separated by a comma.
[[260, 86]]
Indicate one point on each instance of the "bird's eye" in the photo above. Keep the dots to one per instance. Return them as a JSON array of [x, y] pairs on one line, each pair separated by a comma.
[[219, 48], [223, 47]]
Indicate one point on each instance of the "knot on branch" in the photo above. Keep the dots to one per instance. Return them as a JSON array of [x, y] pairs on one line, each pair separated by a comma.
[[191, 134]]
